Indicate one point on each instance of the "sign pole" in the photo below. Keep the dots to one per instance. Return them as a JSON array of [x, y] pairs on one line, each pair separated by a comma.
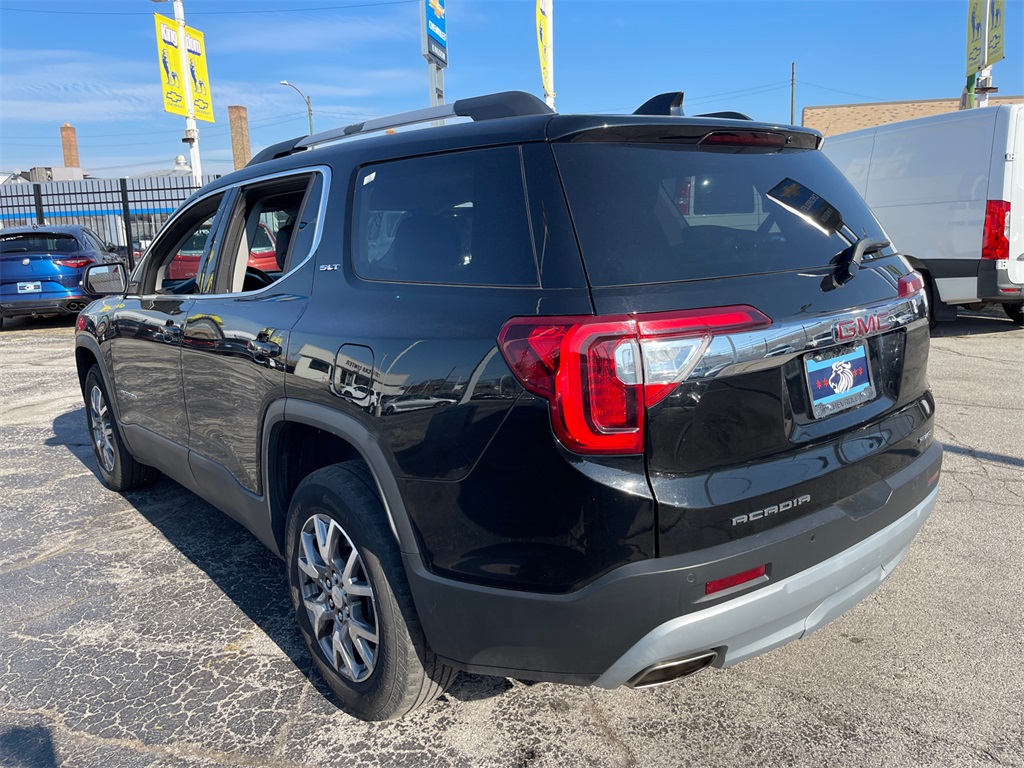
[[191, 131], [434, 38]]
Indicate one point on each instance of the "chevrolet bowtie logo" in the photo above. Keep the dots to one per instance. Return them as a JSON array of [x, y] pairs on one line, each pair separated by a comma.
[[437, 8]]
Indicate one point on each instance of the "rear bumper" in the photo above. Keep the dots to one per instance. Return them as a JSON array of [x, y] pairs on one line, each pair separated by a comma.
[[39, 307], [788, 610], [654, 611]]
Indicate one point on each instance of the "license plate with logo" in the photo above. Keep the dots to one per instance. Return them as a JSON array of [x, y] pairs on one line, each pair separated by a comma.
[[34, 287], [839, 378]]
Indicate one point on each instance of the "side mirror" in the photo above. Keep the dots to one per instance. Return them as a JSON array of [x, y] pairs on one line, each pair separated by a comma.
[[105, 279]]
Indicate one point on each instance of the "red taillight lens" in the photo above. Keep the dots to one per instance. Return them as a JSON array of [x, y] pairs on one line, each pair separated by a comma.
[[737, 578], [995, 242], [598, 373], [910, 284], [73, 263]]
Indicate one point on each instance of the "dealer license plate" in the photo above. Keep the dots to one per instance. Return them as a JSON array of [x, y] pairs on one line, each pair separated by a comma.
[[839, 378], [35, 287]]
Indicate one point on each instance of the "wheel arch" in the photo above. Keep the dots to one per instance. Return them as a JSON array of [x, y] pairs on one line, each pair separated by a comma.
[[309, 436]]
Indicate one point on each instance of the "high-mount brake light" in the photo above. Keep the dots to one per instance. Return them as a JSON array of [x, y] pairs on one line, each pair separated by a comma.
[[995, 242], [73, 263], [744, 139], [598, 374], [909, 284]]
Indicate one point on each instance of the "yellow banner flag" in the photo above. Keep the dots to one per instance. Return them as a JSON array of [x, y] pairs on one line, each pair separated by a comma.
[[545, 46], [169, 56], [198, 75], [996, 26], [172, 78]]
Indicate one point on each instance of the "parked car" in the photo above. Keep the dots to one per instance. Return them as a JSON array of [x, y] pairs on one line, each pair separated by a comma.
[[41, 269], [949, 190], [262, 254], [704, 427], [263, 251]]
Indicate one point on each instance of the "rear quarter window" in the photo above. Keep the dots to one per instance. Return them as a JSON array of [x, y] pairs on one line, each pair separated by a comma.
[[651, 214], [454, 219]]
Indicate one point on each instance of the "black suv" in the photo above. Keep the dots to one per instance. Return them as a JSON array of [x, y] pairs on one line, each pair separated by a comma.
[[587, 399]]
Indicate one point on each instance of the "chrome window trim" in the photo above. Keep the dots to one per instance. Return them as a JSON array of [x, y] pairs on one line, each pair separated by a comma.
[[324, 170]]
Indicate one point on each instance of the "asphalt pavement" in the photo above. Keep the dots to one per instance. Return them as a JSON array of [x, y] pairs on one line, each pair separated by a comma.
[[150, 630]]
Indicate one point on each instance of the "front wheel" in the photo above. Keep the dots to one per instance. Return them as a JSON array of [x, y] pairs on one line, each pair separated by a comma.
[[119, 470], [352, 599], [1015, 312]]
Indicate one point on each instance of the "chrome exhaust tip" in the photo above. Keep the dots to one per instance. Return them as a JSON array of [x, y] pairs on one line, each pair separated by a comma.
[[667, 671]]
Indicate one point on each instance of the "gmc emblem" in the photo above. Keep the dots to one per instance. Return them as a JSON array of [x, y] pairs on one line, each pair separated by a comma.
[[855, 328]]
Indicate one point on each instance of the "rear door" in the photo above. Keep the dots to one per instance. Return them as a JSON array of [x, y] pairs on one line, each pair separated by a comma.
[[1014, 163], [236, 333], [770, 382]]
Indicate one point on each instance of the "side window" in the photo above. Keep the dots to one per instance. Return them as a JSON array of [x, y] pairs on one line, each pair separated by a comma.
[[269, 232], [175, 259], [457, 219]]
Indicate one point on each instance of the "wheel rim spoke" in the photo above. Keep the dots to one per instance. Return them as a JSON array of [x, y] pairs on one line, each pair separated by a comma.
[[102, 429], [338, 598]]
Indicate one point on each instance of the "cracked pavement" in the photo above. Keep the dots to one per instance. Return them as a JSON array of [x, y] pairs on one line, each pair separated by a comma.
[[150, 630]]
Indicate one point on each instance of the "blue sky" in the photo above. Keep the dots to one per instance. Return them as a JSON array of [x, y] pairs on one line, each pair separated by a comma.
[[92, 63]]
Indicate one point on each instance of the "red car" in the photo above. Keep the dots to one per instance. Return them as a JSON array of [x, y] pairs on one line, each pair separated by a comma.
[[262, 255]]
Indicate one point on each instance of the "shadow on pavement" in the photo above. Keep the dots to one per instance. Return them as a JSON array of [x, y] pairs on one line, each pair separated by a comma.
[[28, 747], [249, 574], [971, 322]]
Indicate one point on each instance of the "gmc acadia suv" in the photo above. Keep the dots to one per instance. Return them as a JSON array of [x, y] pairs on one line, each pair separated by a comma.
[[586, 399]]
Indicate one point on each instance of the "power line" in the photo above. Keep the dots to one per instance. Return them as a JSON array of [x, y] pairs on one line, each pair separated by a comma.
[[836, 90], [209, 13]]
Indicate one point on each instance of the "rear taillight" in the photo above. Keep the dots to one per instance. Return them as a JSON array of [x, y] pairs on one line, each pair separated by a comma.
[[995, 243], [74, 263], [910, 283], [599, 373]]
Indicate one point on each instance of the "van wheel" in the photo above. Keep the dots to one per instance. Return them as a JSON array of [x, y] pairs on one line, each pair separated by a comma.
[[352, 599], [1015, 312], [119, 470]]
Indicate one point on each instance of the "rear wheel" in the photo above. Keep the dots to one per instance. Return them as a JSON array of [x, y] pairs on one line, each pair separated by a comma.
[[352, 600], [1015, 312], [119, 470]]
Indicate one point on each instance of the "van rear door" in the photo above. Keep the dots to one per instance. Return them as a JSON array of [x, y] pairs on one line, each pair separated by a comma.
[[1014, 186]]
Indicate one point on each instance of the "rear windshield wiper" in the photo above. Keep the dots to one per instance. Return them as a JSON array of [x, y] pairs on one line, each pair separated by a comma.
[[853, 254]]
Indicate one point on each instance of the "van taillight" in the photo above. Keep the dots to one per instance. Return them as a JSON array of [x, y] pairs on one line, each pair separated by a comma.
[[598, 374], [995, 243]]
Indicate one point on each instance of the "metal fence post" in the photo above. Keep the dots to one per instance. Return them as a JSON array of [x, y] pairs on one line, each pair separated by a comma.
[[37, 192], [127, 218]]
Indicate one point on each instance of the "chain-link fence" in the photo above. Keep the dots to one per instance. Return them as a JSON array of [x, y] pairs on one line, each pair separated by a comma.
[[124, 212]]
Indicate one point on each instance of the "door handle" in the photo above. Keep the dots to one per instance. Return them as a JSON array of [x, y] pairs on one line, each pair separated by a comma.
[[171, 332], [261, 348]]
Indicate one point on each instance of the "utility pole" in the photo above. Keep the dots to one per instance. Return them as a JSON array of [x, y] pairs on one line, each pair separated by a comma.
[[434, 38], [792, 93]]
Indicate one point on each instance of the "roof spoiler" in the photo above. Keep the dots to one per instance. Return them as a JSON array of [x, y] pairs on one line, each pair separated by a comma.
[[490, 107]]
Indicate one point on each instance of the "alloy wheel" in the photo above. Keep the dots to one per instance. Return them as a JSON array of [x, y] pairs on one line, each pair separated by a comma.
[[338, 598], [102, 428]]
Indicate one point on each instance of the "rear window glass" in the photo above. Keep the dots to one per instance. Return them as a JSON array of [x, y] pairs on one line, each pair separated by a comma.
[[455, 219], [648, 214], [38, 243]]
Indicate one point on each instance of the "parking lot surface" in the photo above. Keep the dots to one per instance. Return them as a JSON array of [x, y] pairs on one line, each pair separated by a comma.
[[151, 630]]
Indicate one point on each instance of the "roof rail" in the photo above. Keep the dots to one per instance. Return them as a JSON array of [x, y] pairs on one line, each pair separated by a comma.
[[670, 103], [489, 107]]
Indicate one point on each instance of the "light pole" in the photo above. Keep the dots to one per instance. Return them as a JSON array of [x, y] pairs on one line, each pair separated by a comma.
[[191, 131], [309, 107]]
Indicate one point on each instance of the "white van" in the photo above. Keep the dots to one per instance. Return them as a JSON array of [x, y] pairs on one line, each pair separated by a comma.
[[949, 191]]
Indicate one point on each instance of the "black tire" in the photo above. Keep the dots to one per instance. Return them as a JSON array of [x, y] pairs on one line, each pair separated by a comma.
[[380, 666], [118, 469], [1015, 312]]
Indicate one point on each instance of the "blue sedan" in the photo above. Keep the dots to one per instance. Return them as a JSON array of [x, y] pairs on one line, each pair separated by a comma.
[[41, 269]]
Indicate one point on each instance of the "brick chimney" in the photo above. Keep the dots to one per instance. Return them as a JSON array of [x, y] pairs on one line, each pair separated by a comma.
[[238, 117], [69, 143]]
